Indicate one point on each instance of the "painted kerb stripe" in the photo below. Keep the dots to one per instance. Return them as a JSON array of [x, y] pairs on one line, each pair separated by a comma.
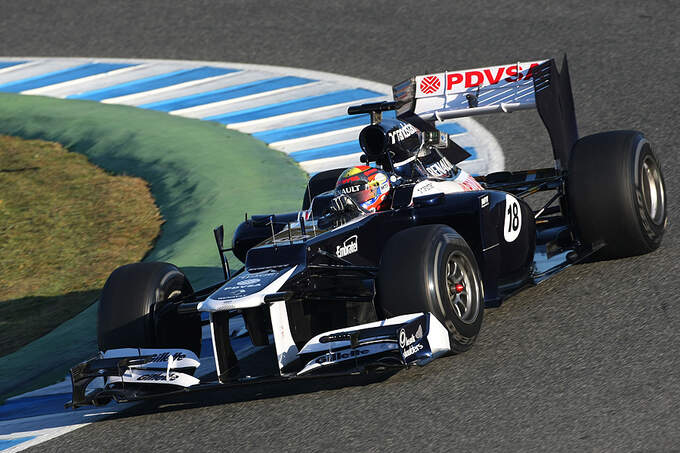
[[151, 83], [232, 92], [44, 80]]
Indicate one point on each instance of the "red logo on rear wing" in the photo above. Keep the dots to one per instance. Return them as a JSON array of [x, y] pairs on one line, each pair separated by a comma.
[[460, 81]]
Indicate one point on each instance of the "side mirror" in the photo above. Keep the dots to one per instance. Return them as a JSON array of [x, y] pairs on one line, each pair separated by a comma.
[[219, 239], [219, 236]]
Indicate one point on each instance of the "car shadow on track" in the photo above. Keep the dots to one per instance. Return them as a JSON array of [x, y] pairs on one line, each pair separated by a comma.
[[252, 392]]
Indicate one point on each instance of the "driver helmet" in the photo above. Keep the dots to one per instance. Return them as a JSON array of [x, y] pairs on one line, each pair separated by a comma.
[[366, 186]]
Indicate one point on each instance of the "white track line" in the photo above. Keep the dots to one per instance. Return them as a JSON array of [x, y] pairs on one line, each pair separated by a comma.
[[257, 100], [19, 67], [133, 99], [96, 82], [318, 140], [60, 87], [41, 67], [296, 118], [176, 91], [315, 166]]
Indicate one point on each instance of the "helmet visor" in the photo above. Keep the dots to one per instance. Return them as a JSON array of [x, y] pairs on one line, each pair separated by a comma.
[[360, 192]]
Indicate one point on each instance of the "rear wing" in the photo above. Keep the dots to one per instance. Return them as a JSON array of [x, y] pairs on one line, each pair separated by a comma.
[[518, 86]]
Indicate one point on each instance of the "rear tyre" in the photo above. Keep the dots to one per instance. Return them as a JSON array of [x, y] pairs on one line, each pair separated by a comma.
[[320, 183], [419, 271], [129, 307], [616, 193]]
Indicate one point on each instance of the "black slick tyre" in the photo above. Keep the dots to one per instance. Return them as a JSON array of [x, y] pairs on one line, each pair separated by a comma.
[[130, 304], [420, 269], [616, 193]]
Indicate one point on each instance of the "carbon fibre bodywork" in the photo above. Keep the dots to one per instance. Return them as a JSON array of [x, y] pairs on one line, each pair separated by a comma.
[[307, 291]]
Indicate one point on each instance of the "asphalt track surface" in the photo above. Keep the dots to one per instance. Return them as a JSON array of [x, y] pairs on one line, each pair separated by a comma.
[[587, 360]]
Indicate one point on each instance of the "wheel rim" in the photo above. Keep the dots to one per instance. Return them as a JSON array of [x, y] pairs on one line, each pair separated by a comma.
[[462, 287], [653, 194]]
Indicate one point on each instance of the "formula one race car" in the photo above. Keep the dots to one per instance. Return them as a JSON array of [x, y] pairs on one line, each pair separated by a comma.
[[390, 264]]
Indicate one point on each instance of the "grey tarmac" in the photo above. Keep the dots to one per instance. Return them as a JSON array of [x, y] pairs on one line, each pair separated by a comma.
[[586, 361]]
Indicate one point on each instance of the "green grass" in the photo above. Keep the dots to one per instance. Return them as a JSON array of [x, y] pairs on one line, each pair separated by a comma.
[[64, 224], [200, 174]]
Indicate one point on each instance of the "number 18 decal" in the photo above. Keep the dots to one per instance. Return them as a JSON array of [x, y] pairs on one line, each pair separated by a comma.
[[513, 218]]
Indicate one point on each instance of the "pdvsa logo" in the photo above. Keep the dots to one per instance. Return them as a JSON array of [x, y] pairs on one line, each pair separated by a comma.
[[430, 84]]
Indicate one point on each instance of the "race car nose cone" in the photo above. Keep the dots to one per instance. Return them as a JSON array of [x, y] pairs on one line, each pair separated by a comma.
[[459, 288]]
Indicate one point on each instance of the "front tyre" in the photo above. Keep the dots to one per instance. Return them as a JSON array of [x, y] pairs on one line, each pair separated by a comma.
[[129, 307], [616, 193], [432, 269]]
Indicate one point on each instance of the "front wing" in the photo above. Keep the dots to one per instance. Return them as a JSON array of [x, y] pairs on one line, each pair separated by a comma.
[[133, 374]]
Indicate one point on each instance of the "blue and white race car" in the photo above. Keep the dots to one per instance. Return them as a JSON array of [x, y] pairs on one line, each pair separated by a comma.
[[391, 263]]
